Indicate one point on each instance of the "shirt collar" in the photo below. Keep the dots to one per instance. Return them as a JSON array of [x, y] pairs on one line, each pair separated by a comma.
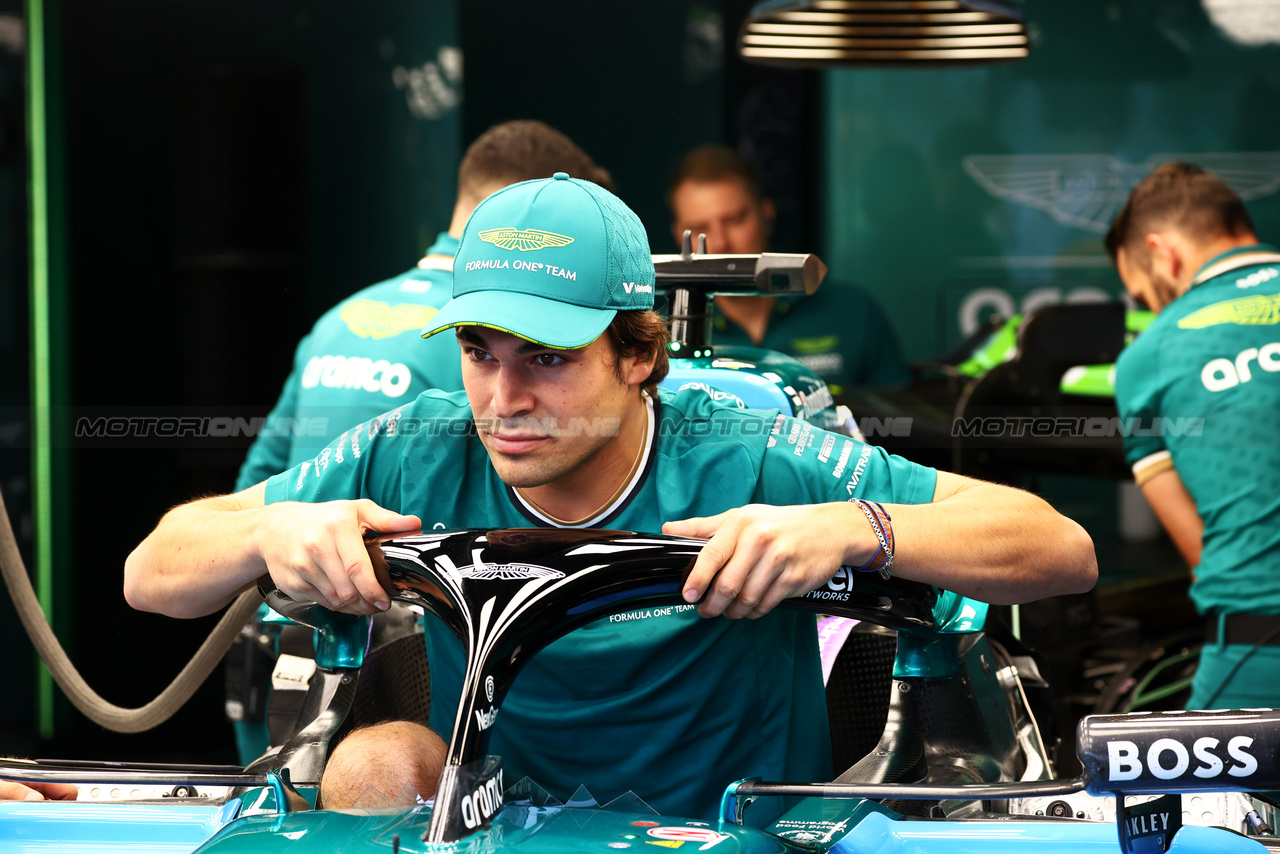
[[1234, 259], [446, 244]]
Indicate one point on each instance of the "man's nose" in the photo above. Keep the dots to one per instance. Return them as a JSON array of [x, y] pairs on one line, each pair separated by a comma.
[[717, 240], [512, 393]]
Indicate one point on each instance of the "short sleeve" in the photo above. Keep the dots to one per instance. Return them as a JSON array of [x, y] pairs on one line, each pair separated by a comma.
[[363, 462], [1138, 395], [806, 465]]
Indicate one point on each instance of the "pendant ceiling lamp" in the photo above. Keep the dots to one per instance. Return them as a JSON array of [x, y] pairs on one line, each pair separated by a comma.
[[828, 33]]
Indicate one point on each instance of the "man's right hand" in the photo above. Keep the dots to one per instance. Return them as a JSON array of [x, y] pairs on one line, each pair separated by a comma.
[[319, 553], [204, 553], [11, 791]]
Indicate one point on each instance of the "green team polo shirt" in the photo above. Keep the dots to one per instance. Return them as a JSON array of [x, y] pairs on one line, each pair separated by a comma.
[[669, 705], [1203, 387], [840, 333], [364, 356]]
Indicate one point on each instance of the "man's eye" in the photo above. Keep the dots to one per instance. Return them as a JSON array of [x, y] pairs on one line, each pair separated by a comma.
[[477, 354], [549, 360]]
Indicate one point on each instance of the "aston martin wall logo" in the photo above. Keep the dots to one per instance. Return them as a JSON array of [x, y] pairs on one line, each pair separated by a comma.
[[1086, 190], [1257, 310], [506, 571], [524, 239], [371, 318]]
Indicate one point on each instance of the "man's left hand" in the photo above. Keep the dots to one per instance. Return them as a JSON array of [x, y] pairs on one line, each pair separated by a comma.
[[758, 555]]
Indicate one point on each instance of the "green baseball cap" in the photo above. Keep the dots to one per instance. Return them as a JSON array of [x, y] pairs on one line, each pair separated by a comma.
[[551, 261]]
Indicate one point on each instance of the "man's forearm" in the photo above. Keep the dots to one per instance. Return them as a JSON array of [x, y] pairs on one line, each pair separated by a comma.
[[993, 543], [198, 558], [1177, 512]]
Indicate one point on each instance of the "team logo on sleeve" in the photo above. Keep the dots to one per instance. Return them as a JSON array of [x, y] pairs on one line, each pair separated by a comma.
[[371, 318], [1256, 310], [524, 239]]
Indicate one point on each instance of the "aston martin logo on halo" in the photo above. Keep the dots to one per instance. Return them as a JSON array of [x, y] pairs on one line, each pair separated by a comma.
[[524, 239], [506, 571]]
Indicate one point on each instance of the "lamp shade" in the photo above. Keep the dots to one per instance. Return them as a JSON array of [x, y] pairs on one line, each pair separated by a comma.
[[829, 33]]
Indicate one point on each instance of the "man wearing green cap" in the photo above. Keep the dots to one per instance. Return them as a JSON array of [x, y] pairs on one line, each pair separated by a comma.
[[560, 424], [360, 358]]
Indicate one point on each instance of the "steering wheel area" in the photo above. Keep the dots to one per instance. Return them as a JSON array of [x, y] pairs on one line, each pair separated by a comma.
[[508, 593]]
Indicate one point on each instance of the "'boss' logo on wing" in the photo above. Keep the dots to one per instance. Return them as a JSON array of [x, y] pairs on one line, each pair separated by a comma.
[[1168, 759]]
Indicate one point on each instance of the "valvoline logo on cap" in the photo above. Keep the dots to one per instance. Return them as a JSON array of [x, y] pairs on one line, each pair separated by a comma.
[[524, 239]]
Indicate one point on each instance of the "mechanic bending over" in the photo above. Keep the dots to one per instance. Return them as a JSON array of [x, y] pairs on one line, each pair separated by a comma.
[[1185, 245], [840, 332], [561, 425]]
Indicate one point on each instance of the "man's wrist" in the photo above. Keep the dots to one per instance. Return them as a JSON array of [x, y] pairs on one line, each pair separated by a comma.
[[861, 542], [881, 524]]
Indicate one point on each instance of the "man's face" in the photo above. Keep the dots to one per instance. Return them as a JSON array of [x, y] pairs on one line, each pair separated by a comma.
[[544, 414], [734, 223], [1145, 284]]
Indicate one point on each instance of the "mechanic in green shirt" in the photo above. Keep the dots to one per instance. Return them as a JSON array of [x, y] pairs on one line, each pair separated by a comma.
[[840, 333], [1204, 382], [561, 424]]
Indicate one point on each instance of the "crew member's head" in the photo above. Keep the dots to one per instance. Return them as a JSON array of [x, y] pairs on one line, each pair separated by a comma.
[[717, 192], [1175, 220], [553, 288], [515, 151]]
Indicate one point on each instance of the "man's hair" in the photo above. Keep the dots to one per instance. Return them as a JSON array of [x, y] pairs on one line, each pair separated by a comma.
[[638, 333], [710, 163], [388, 764], [523, 150], [1179, 197]]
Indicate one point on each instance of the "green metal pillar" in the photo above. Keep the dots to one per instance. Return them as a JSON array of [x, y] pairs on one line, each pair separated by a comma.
[[48, 318]]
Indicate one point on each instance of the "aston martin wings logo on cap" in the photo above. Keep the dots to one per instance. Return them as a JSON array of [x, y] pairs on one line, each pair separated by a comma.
[[524, 239]]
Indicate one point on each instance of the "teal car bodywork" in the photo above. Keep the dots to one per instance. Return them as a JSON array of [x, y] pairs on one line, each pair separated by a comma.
[[959, 738]]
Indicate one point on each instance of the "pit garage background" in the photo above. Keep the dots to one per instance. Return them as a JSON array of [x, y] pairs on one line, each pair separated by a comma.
[[185, 187]]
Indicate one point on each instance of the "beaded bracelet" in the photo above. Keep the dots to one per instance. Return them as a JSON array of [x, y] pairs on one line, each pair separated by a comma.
[[882, 561]]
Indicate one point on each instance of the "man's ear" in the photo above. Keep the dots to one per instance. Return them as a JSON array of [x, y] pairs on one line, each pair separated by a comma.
[[1168, 254], [640, 367]]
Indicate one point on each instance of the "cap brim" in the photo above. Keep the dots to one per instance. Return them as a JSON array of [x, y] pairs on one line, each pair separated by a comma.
[[543, 321]]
